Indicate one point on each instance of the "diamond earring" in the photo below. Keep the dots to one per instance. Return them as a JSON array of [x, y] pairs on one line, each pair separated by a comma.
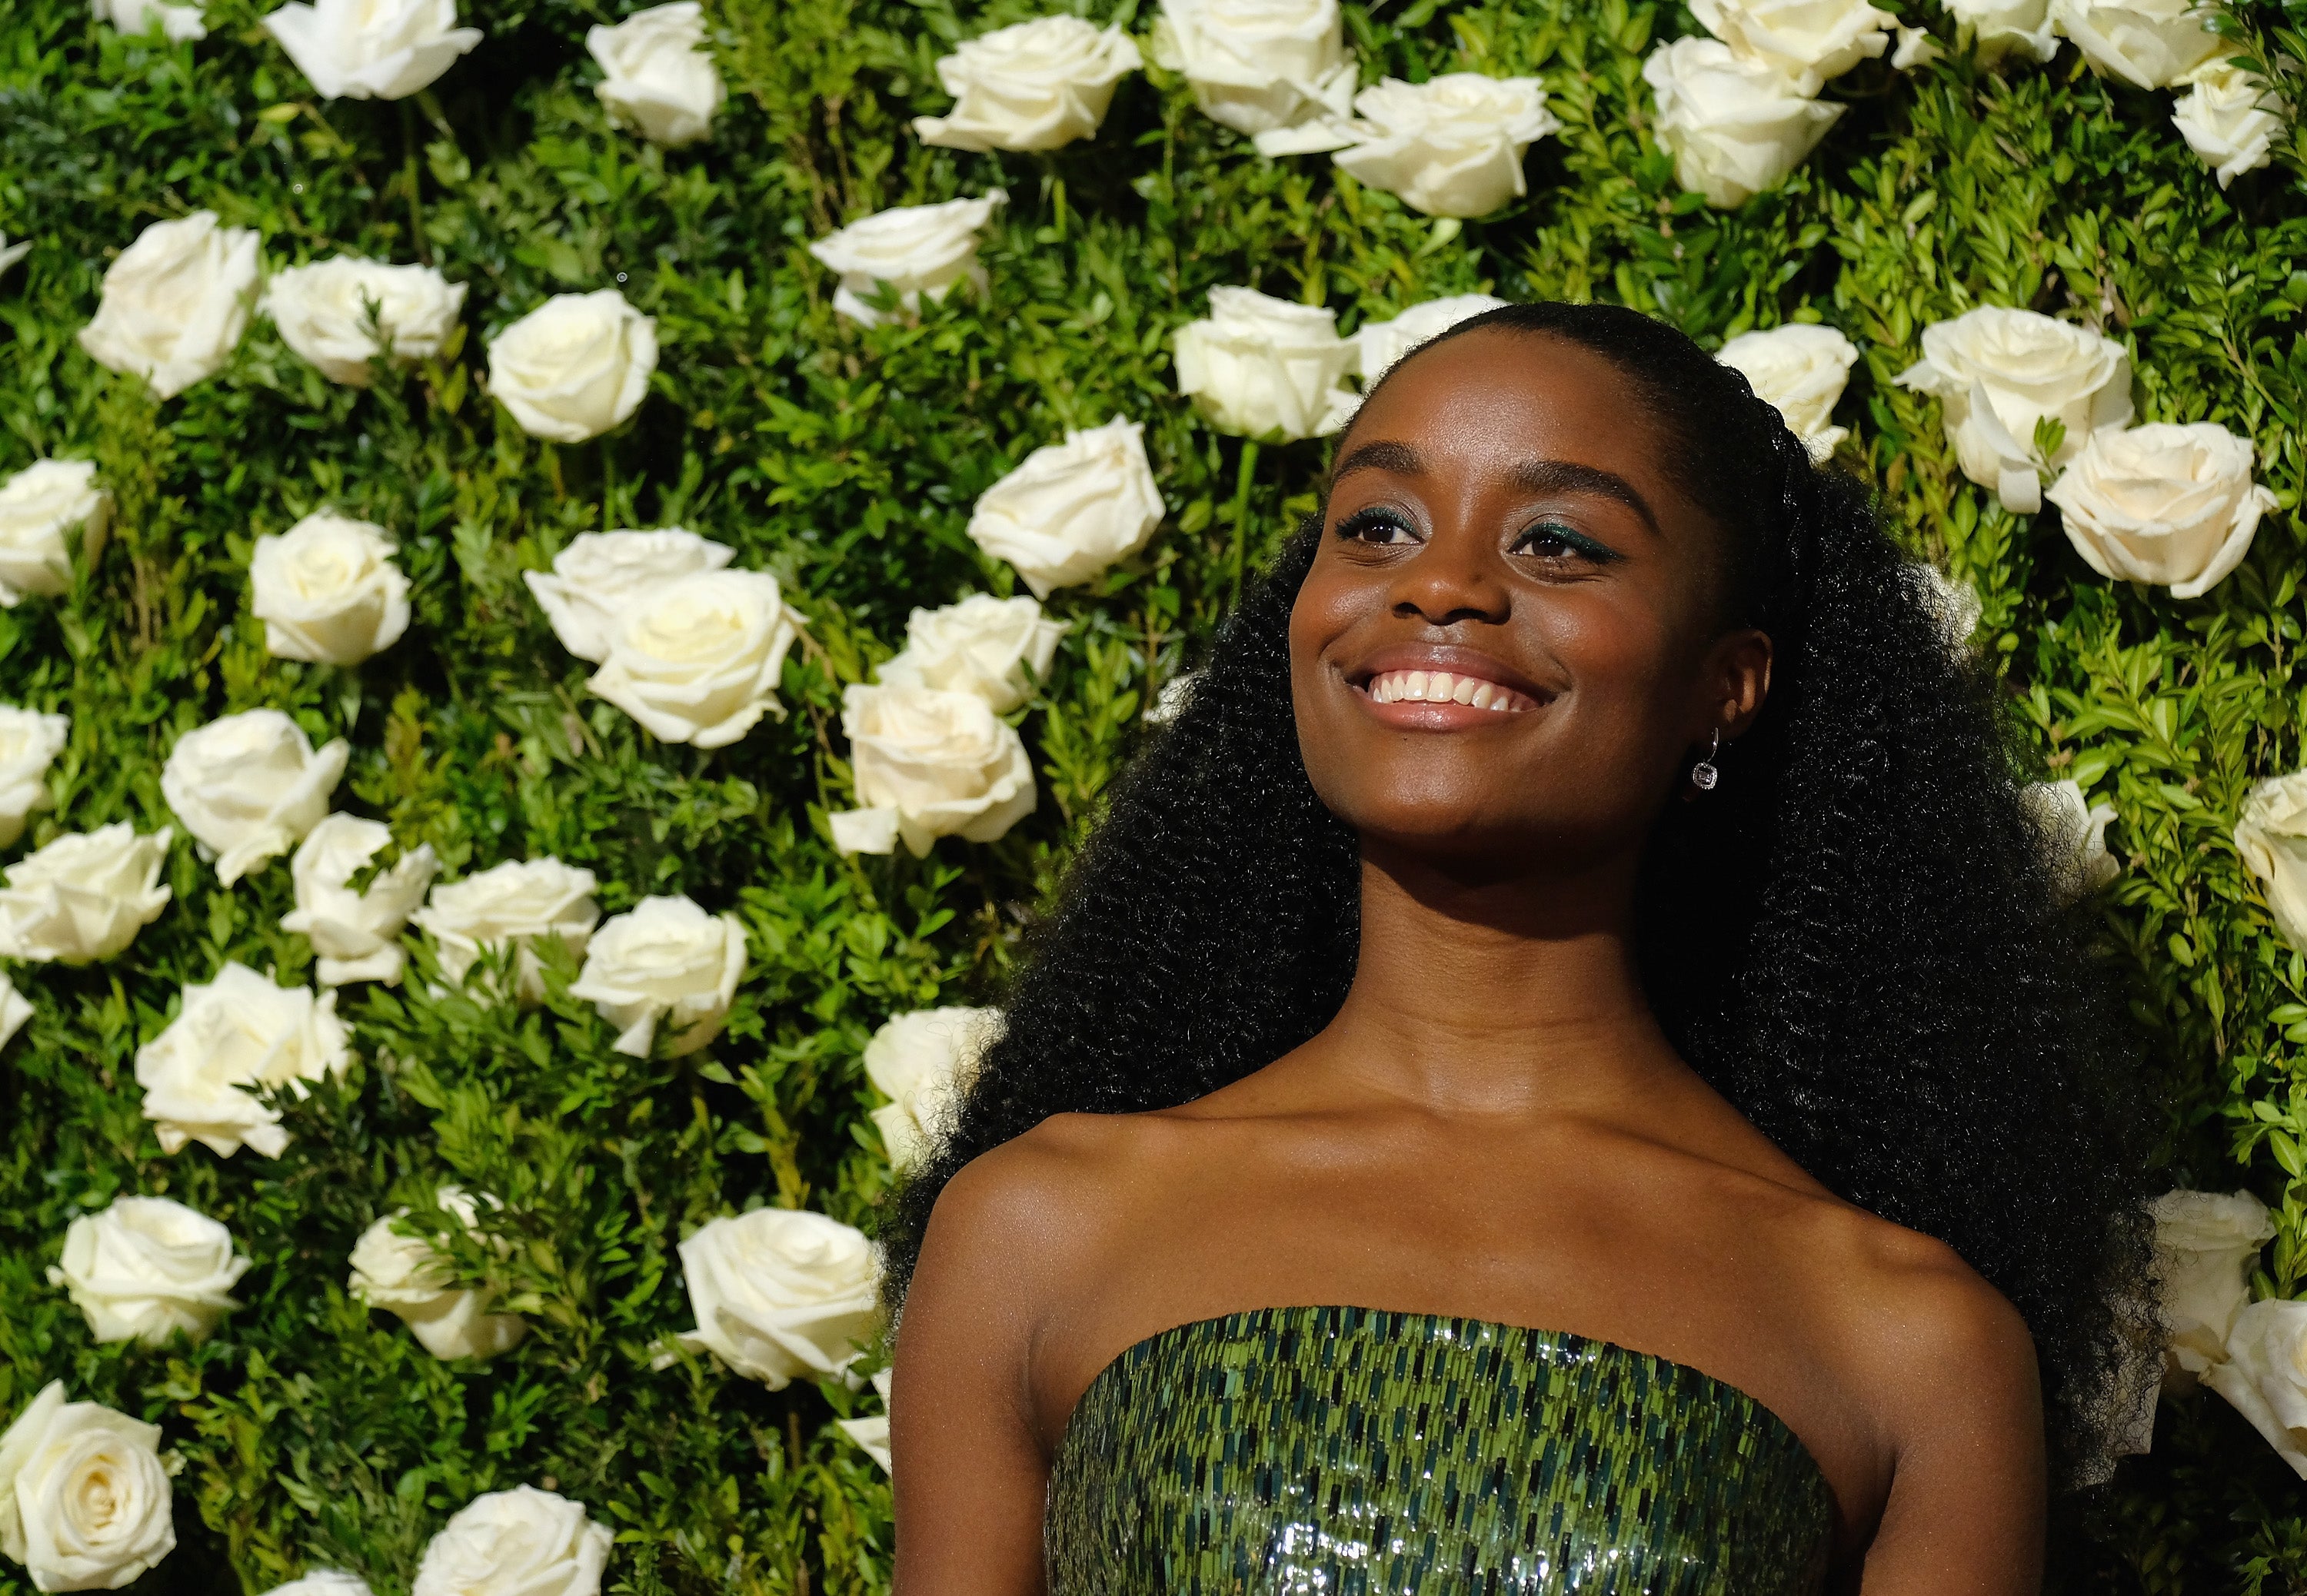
[[1703, 775]]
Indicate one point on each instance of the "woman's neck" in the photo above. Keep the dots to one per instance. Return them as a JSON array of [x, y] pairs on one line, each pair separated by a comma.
[[1476, 993]]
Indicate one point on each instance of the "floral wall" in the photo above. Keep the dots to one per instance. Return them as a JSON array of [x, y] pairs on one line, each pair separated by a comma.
[[567, 582]]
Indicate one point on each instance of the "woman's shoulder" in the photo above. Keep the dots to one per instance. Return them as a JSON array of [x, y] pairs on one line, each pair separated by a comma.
[[1892, 1274], [1905, 1318], [1056, 1189], [1058, 1170], [1023, 1234]]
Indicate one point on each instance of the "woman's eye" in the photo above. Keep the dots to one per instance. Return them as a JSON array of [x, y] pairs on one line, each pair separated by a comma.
[[1548, 540], [1377, 526]]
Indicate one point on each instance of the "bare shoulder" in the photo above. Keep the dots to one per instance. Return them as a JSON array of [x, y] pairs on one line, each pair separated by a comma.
[[1044, 1207], [1912, 1321]]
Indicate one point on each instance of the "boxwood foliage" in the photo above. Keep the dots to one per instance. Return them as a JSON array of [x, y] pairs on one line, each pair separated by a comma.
[[315, 1433]]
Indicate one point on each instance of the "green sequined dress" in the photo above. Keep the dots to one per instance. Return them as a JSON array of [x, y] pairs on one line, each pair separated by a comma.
[[1352, 1452]]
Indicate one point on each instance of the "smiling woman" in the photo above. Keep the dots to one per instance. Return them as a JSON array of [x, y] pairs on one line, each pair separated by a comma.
[[1563, 1056]]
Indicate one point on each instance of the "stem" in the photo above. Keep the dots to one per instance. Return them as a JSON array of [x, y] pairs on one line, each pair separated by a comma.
[[1242, 475], [608, 488], [408, 170]]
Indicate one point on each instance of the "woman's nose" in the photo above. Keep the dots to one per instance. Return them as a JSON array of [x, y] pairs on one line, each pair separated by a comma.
[[1454, 577]]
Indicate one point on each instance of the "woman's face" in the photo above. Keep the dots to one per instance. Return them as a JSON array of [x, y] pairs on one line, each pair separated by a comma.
[[1510, 644]]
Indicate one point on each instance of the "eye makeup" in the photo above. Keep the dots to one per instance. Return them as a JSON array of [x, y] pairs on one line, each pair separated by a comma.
[[1365, 523], [1574, 542]]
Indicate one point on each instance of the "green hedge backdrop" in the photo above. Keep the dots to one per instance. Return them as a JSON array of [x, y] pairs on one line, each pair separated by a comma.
[[846, 460]]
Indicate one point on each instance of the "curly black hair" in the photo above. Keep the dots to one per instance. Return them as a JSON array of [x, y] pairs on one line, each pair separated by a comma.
[[1855, 938]]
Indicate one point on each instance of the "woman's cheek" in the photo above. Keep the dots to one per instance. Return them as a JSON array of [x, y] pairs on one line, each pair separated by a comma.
[[1613, 644]]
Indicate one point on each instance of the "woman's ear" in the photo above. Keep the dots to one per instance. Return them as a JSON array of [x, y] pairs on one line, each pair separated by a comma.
[[1737, 672]]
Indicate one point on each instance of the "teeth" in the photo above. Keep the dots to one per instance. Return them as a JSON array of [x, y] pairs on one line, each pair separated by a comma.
[[1442, 686]]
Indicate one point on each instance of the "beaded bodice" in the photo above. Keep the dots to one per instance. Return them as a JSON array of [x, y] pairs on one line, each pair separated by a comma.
[[1356, 1452]]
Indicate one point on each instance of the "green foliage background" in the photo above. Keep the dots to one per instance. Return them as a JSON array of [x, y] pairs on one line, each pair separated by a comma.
[[846, 460]]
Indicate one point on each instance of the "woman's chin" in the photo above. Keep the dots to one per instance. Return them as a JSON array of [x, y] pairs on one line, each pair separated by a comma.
[[1456, 838]]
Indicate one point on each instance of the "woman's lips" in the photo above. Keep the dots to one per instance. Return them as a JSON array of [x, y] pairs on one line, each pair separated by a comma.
[[1441, 700]]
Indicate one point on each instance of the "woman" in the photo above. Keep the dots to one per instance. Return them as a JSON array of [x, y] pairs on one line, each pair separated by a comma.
[[1559, 1071]]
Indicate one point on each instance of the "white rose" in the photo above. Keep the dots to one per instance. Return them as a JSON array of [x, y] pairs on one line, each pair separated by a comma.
[[519, 1543], [147, 1267], [2001, 28], [1734, 126], [2230, 118], [248, 786], [2073, 836], [324, 310], [601, 574], [2264, 1376], [327, 591], [406, 1276], [915, 249], [2162, 503], [1801, 369], [14, 1011], [1954, 605], [697, 660], [1383, 343], [1451, 146], [2149, 44], [84, 896], [372, 49], [657, 75], [175, 302], [1258, 66], [929, 764], [1035, 86], [2271, 839], [323, 1582], [871, 1434], [1997, 372], [996, 648], [1804, 41], [574, 367], [38, 505], [2205, 1243], [179, 22], [84, 1499], [1264, 368], [780, 1294], [1916, 48], [237, 1031], [665, 960], [1072, 510], [920, 1062], [509, 905], [354, 932], [30, 742]]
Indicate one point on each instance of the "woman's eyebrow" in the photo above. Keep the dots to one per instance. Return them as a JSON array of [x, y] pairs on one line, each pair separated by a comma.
[[1568, 477], [1385, 454]]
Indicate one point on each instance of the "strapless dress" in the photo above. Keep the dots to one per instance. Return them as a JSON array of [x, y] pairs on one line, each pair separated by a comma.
[[1354, 1452]]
